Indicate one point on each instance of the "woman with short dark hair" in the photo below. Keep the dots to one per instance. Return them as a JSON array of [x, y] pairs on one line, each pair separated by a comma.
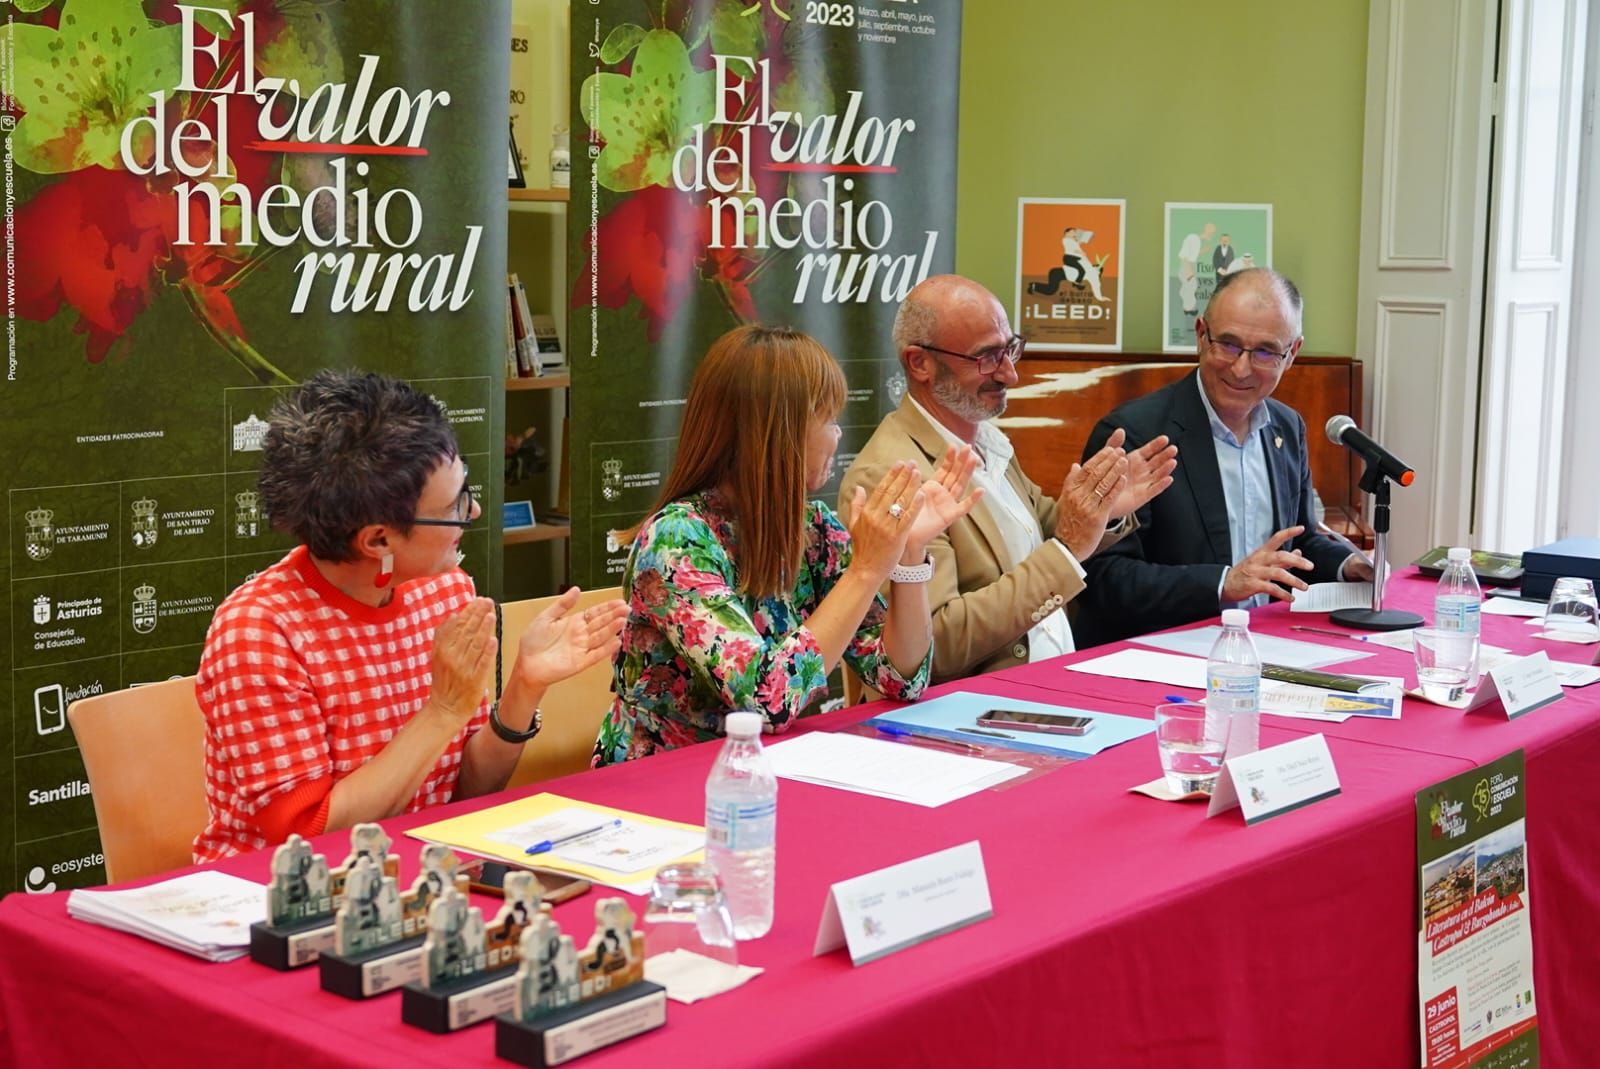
[[349, 681]]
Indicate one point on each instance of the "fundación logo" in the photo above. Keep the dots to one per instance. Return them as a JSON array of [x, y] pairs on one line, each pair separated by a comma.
[[144, 523], [41, 536]]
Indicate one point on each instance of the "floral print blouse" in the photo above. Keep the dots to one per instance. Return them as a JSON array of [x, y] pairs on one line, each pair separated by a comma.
[[695, 648]]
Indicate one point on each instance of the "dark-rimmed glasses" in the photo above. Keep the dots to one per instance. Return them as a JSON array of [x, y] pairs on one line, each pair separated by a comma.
[[988, 360], [463, 511], [1261, 358]]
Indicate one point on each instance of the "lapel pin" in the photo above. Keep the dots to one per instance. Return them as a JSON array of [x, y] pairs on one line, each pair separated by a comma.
[[1277, 441]]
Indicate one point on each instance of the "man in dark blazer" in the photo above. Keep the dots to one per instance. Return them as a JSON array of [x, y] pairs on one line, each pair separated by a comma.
[[1237, 524]]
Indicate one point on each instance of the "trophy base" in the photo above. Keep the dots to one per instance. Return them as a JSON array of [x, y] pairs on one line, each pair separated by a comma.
[[292, 945], [561, 1035], [372, 972], [1375, 619], [459, 1003]]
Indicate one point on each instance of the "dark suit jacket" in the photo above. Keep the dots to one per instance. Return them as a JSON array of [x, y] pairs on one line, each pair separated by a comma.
[[1168, 572]]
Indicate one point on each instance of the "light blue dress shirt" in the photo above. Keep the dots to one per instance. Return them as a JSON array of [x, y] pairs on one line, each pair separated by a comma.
[[1246, 487]]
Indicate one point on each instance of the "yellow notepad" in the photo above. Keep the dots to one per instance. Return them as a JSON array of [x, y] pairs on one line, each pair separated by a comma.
[[603, 845]]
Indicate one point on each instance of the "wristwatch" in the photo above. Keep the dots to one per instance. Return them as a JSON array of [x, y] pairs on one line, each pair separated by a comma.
[[917, 573], [509, 735]]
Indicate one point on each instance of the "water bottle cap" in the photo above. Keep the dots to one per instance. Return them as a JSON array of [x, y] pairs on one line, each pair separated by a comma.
[[1236, 618], [742, 725], [1460, 553]]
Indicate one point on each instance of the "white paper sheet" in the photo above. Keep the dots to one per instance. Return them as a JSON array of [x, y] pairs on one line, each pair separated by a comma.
[[1328, 597], [1513, 607], [625, 847], [1170, 668], [1273, 650], [690, 977], [901, 771]]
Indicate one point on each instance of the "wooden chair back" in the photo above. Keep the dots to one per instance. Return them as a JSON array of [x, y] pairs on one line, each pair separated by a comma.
[[573, 709], [144, 752]]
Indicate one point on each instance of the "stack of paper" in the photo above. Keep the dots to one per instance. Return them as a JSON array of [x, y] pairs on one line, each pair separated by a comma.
[[1285, 651], [207, 914], [1330, 597], [905, 773]]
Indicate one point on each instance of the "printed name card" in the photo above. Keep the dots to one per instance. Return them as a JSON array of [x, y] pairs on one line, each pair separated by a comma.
[[1518, 687], [1271, 782], [906, 904]]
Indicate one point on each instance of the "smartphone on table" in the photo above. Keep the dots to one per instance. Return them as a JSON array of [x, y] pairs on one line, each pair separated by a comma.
[[490, 879], [1026, 720]]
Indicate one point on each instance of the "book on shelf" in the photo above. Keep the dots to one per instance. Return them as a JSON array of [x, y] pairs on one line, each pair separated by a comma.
[[547, 344], [527, 344]]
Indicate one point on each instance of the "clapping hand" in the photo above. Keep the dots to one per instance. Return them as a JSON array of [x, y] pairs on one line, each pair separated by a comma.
[[1087, 495], [560, 643], [943, 501], [463, 660], [881, 522], [1150, 469], [1266, 571]]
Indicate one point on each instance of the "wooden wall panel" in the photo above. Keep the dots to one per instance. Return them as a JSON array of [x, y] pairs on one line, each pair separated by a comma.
[[1060, 397]]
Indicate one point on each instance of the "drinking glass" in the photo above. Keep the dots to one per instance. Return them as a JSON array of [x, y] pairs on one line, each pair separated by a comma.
[[687, 911], [1191, 755], [1447, 662], [1572, 612]]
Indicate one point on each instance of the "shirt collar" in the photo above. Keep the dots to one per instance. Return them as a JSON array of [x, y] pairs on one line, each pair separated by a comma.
[[994, 448], [1219, 429]]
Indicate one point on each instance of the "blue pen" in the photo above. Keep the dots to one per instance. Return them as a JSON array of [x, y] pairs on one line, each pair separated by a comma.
[[1180, 699], [897, 732], [550, 844]]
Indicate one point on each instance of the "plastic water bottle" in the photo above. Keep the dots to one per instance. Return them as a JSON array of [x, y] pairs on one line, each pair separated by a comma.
[[1233, 686], [742, 824], [1459, 600]]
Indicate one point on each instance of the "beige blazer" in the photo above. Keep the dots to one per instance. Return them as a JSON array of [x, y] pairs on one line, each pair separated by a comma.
[[983, 602]]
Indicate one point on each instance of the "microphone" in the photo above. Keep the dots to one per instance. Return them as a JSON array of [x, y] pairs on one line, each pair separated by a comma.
[[1342, 430]]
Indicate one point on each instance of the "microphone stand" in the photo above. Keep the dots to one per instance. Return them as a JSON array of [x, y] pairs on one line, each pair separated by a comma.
[[1377, 618]]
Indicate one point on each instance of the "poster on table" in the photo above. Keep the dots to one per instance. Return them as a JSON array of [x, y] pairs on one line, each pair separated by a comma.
[[1071, 288], [743, 161], [264, 190], [1475, 941], [1204, 243]]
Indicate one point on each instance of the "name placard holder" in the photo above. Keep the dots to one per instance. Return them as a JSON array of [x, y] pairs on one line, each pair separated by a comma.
[[1277, 780], [1517, 687], [905, 904]]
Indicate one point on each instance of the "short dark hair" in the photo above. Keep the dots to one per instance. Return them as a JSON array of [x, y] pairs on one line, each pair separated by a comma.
[[346, 449]]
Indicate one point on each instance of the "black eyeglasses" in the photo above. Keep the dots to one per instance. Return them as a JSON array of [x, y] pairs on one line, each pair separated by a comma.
[[463, 511], [1261, 358], [988, 360]]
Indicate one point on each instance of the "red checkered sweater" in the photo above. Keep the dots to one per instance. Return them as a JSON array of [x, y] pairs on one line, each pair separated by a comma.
[[300, 686]]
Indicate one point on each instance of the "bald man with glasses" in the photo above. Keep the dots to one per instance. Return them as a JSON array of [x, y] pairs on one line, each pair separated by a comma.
[[1236, 529], [1004, 573]]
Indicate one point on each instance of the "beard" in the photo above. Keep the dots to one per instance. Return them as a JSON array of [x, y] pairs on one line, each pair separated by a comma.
[[974, 408]]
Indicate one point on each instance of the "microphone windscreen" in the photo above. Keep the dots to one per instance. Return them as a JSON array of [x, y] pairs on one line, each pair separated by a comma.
[[1336, 427]]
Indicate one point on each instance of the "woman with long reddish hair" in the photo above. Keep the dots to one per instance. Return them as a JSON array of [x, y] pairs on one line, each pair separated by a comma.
[[743, 594]]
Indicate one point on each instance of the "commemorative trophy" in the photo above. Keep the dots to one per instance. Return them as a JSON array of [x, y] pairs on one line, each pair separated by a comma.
[[305, 894]]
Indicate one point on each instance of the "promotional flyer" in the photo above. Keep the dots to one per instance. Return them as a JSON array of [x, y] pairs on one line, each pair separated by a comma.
[[1475, 936]]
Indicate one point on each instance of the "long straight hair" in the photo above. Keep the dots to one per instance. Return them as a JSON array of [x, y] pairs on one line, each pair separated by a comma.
[[754, 397]]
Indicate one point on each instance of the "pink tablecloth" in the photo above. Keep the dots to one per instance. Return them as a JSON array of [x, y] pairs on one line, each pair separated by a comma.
[[1127, 932]]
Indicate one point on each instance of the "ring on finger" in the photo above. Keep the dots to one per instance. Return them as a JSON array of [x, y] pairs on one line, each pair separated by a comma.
[[897, 510]]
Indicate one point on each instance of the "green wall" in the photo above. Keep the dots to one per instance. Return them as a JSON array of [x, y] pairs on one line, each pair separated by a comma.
[[1255, 101]]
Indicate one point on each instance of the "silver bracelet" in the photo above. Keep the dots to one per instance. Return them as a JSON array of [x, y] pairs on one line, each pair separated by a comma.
[[917, 573]]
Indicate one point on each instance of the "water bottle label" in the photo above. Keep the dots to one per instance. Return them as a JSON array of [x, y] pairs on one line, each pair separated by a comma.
[[1457, 615], [741, 825], [1233, 694]]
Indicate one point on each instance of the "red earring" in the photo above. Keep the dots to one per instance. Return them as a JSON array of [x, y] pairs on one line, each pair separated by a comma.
[[385, 570]]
